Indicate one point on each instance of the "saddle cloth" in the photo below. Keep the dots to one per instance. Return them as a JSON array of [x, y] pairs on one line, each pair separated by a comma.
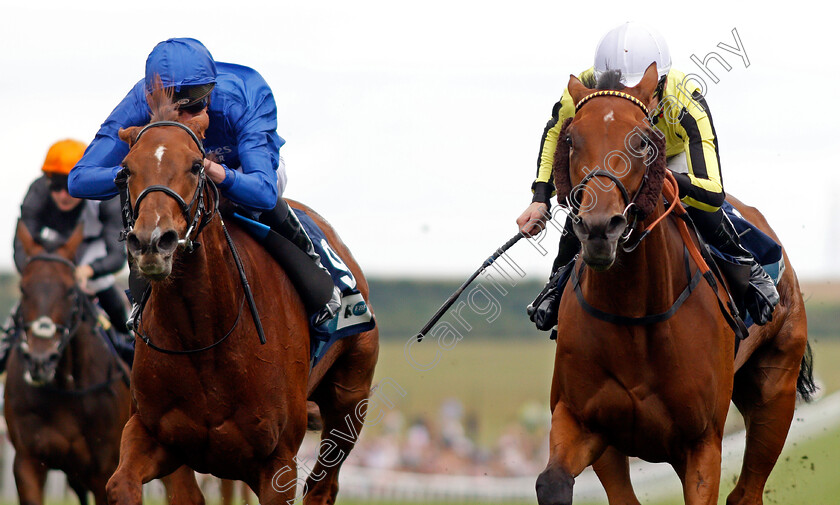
[[355, 315], [764, 249]]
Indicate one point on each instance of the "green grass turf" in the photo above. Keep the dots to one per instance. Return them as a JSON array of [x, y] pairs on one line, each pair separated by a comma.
[[805, 474], [493, 379], [496, 380]]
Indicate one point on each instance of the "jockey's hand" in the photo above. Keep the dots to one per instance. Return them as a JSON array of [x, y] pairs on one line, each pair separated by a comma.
[[83, 273], [214, 171], [532, 221]]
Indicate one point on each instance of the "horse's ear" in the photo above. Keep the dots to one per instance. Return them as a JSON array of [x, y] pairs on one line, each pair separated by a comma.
[[199, 123], [30, 247], [68, 249], [576, 89], [129, 135], [647, 86]]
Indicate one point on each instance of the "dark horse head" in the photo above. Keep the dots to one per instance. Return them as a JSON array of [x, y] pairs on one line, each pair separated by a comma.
[[165, 181], [50, 309], [610, 162]]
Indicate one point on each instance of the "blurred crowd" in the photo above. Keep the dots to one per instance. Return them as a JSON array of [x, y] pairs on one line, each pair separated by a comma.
[[449, 442]]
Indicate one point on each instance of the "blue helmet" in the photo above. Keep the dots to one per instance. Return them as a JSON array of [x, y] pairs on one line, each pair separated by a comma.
[[185, 65]]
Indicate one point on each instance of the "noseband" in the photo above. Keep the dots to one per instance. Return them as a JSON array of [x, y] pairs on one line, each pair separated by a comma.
[[200, 218], [630, 208], [44, 327]]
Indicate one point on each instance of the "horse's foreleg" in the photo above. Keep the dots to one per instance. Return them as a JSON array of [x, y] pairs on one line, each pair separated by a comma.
[[572, 449], [613, 470], [182, 488], [278, 483], [30, 475], [141, 460], [80, 490], [765, 393], [97, 487], [700, 472]]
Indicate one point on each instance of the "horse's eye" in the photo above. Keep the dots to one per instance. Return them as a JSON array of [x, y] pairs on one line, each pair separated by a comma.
[[197, 166], [569, 140]]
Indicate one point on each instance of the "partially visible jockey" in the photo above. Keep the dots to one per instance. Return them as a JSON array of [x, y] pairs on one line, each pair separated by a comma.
[[51, 215], [242, 138], [692, 150]]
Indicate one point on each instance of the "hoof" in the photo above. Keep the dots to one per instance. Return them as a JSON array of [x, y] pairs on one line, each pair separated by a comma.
[[554, 487]]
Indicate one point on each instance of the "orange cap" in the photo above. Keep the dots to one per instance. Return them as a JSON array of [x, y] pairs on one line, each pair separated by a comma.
[[63, 156]]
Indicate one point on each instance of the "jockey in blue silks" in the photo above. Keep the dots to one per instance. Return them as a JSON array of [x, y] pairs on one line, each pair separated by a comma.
[[242, 137]]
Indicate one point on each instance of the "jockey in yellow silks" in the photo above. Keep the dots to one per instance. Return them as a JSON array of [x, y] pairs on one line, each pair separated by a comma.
[[685, 120]]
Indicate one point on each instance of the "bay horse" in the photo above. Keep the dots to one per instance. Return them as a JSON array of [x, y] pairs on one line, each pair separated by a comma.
[[66, 398], [236, 409], [647, 377]]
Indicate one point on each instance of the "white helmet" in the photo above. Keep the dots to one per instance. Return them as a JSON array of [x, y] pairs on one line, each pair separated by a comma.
[[631, 48]]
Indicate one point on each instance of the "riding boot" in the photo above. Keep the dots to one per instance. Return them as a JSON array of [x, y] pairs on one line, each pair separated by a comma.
[[544, 309], [761, 296], [283, 220]]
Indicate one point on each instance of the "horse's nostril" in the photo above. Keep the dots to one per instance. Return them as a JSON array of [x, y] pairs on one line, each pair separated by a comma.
[[167, 242], [133, 244], [616, 225]]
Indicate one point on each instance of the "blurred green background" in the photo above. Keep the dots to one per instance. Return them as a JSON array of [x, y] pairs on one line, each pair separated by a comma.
[[500, 373]]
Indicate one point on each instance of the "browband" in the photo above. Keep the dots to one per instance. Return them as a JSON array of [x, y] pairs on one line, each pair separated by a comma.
[[619, 94], [179, 125]]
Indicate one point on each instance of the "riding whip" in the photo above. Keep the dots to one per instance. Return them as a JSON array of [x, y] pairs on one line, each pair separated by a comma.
[[451, 300]]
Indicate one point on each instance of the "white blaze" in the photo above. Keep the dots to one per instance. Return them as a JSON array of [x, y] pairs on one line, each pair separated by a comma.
[[608, 117], [159, 153]]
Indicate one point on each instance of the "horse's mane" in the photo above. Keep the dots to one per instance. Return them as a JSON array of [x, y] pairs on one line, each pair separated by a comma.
[[609, 79], [650, 194], [161, 105]]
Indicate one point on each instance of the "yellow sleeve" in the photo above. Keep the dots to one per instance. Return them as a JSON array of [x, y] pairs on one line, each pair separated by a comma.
[[705, 188], [563, 110], [543, 186]]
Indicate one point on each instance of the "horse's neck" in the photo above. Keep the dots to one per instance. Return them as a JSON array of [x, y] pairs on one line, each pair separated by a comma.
[[643, 281], [200, 287], [83, 361]]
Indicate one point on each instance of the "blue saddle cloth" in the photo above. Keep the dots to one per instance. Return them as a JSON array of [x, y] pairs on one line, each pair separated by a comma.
[[763, 248], [355, 315]]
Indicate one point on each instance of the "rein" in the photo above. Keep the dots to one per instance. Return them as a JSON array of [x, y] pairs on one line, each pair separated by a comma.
[[630, 207], [200, 218], [690, 249], [671, 194], [197, 223], [43, 327], [83, 305]]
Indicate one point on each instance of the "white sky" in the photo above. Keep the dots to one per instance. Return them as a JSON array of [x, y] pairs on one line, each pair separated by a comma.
[[414, 127]]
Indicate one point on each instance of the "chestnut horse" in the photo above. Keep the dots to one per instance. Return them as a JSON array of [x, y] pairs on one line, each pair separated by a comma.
[[237, 409], [66, 391], [658, 388]]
